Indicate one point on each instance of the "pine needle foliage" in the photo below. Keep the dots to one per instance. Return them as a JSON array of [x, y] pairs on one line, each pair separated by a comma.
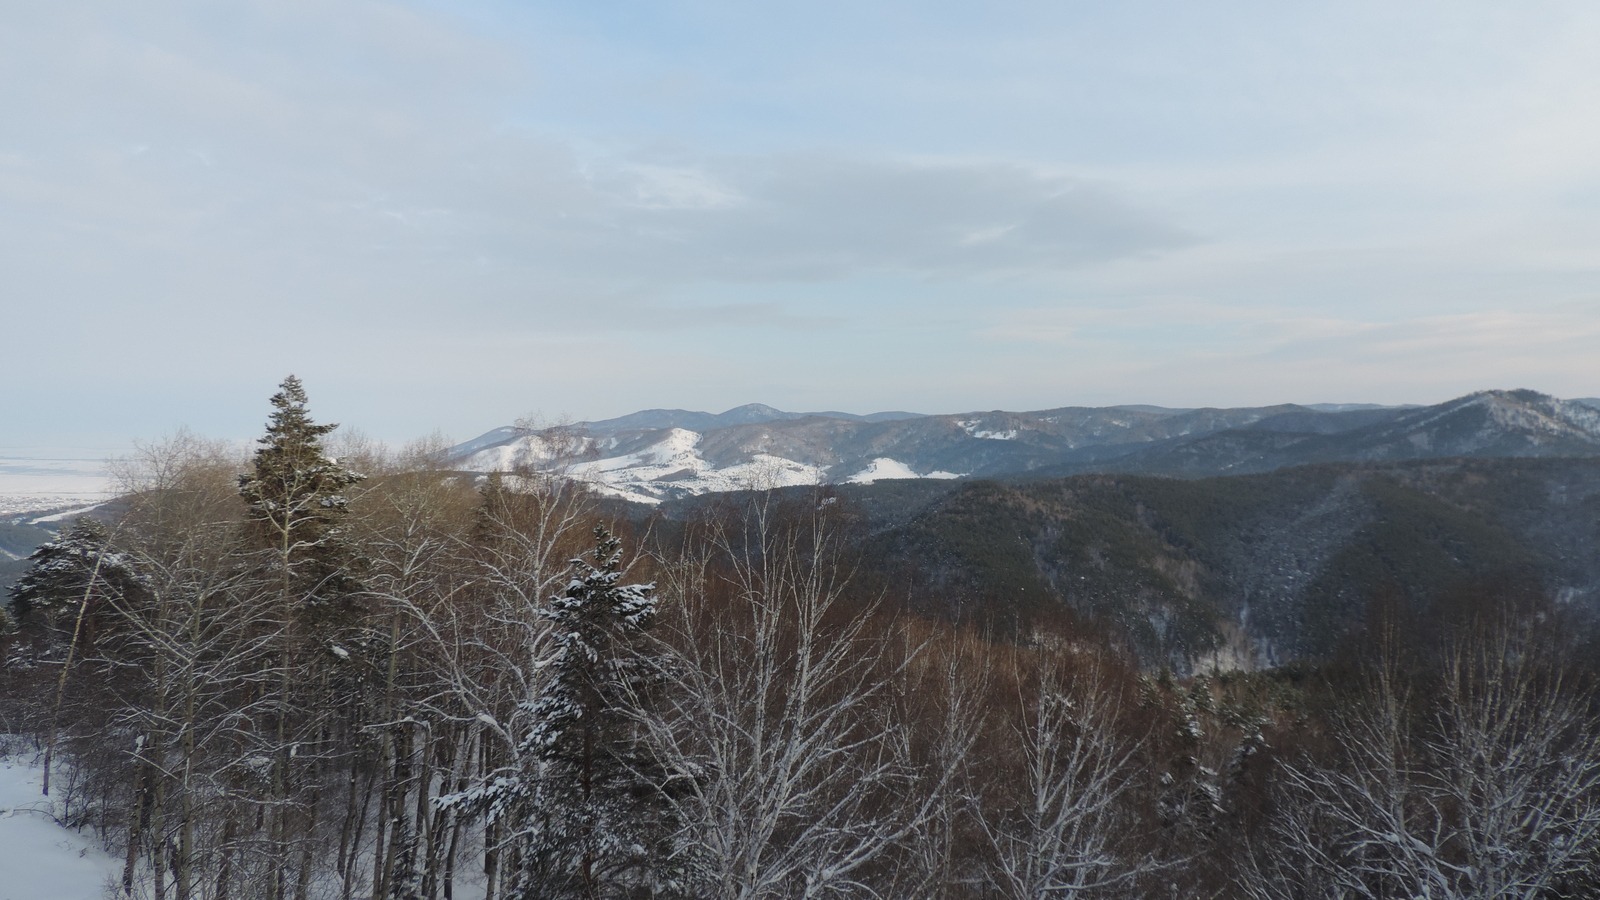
[[77, 565], [296, 497], [585, 802]]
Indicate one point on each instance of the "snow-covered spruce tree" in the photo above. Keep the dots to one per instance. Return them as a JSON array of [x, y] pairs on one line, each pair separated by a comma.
[[582, 809], [297, 499], [77, 568]]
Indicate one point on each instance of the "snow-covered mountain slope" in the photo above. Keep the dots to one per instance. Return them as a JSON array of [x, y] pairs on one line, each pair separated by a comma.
[[671, 464], [654, 455], [884, 468]]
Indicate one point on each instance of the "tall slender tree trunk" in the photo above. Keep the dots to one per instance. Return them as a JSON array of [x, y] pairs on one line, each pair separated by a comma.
[[422, 832], [66, 667], [354, 858], [491, 861], [141, 803], [158, 833], [230, 833], [184, 869], [308, 842], [347, 827]]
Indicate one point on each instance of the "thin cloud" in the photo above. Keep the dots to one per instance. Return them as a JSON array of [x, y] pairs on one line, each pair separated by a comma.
[[925, 209]]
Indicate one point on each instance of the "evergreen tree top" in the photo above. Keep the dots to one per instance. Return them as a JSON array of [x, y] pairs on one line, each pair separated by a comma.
[[292, 475], [290, 423]]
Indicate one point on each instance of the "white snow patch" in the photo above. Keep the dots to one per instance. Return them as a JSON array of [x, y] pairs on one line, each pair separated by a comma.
[[69, 514], [884, 468], [974, 428], [674, 465], [538, 450], [38, 857]]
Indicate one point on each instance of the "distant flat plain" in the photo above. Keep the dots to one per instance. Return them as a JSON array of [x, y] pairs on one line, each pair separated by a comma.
[[38, 478]]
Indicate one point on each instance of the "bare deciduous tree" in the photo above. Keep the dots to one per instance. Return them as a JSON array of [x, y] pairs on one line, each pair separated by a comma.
[[1056, 833], [1487, 788], [793, 773]]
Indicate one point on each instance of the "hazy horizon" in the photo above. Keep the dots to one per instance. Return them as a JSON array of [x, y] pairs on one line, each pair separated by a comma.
[[447, 215]]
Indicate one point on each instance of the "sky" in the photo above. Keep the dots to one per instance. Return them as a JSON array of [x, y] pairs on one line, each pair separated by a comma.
[[448, 215]]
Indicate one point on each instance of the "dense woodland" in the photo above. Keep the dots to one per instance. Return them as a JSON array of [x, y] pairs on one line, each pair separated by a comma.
[[293, 676]]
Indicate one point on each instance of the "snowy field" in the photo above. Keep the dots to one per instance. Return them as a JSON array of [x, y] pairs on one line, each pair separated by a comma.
[[50, 479], [40, 859]]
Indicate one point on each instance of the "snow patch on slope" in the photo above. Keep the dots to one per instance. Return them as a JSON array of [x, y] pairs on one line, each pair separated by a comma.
[[63, 516], [539, 450], [975, 428], [672, 466], [884, 468]]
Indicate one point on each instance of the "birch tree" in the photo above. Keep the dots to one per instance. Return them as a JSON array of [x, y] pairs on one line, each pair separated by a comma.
[[1056, 832], [1486, 787], [791, 776], [200, 637]]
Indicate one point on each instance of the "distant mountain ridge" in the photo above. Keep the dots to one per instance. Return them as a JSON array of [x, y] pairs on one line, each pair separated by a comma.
[[656, 455], [1486, 424], [749, 414]]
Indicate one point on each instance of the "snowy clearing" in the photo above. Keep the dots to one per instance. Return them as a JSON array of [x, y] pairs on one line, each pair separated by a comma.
[[884, 468], [40, 859]]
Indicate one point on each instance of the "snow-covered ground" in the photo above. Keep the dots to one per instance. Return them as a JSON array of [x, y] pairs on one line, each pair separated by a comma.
[[40, 859], [673, 466], [884, 468], [50, 479]]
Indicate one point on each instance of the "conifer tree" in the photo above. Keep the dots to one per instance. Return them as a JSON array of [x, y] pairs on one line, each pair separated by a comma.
[[585, 802], [296, 501], [78, 566], [297, 504]]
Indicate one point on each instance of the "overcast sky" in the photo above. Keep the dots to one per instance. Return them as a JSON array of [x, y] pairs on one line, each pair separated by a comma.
[[451, 214]]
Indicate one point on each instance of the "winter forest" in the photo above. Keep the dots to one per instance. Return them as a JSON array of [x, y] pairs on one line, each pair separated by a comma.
[[295, 676]]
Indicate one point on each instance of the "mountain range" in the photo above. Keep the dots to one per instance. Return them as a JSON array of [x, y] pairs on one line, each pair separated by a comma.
[[657, 455]]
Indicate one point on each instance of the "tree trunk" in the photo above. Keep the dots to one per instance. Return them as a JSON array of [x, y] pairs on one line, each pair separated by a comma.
[[141, 804]]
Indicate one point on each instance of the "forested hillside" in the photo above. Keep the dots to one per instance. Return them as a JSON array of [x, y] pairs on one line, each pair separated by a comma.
[[295, 676], [1261, 569]]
